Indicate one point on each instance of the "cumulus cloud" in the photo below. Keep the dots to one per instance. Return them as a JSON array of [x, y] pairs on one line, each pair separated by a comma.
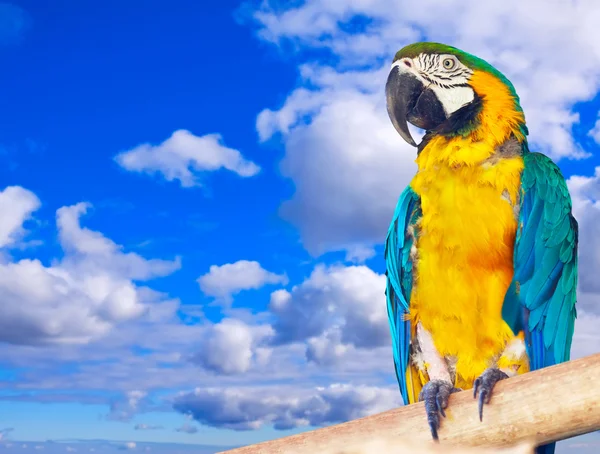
[[123, 410], [16, 206], [334, 307], [184, 157], [226, 280], [232, 347], [348, 164], [585, 194], [336, 319], [586, 339], [346, 161], [359, 253], [251, 408], [328, 348], [79, 297], [595, 131], [82, 243]]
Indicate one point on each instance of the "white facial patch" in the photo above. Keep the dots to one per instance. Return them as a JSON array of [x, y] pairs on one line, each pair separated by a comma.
[[445, 75], [453, 98]]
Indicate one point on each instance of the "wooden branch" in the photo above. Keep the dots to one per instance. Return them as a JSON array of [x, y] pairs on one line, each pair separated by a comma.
[[538, 407], [387, 447]]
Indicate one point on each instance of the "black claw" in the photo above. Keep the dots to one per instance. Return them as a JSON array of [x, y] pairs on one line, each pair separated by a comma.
[[434, 434], [485, 384], [476, 386], [440, 407], [435, 394], [482, 396]]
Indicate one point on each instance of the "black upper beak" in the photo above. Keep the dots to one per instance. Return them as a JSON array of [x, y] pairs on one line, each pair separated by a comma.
[[408, 100]]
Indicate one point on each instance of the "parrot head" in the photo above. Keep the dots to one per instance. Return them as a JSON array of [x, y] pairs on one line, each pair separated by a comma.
[[441, 89]]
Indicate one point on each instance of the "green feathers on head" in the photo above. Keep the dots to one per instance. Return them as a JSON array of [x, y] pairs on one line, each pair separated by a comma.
[[471, 61]]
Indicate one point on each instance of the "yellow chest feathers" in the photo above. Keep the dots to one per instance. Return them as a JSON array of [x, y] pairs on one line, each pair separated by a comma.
[[464, 253], [469, 211]]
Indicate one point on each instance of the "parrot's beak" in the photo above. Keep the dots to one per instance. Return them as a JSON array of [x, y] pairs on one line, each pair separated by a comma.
[[408, 100]]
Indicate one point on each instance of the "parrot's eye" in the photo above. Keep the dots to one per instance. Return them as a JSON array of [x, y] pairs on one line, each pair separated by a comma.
[[448, 63]]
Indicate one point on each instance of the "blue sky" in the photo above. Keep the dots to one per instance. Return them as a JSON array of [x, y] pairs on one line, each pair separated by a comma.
[[195, 197]]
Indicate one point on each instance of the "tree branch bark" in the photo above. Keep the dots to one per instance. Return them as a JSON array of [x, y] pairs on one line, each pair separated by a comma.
[[538, 407]]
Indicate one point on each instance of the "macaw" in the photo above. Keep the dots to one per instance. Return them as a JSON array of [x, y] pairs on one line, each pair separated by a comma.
[[481, 253]]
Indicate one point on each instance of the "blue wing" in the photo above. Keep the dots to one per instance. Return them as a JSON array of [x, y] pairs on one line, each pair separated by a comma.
[[399, 272], [541, 299]]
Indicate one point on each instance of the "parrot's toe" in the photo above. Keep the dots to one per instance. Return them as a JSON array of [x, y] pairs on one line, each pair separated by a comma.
[[435, 394], [485, 384]]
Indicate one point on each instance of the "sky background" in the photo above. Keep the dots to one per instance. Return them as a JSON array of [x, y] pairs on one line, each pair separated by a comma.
[[194, 199]]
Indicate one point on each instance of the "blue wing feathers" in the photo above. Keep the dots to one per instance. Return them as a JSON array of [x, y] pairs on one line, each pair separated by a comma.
[[399, 283], [545, 263]]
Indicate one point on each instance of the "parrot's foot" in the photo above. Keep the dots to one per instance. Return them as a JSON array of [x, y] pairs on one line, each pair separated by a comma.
[[435, 393], [485, 384]]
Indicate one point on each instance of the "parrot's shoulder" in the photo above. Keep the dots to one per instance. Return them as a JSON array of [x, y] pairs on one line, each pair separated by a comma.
[[542, 180], [544, 185], [540, 170], [407, 202]]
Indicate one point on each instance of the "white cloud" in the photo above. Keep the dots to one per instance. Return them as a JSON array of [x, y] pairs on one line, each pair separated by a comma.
[[595, 131], [346, 305], [130, 445], [359, 253], [328, 348], [83, 244], [585, 194], [226, 280], [586, 340], [348, 164], [299, 102], [346, 161], [16, 206], [79, 297], [232, 346], [284, 408], [184, 157], [125, 409]]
